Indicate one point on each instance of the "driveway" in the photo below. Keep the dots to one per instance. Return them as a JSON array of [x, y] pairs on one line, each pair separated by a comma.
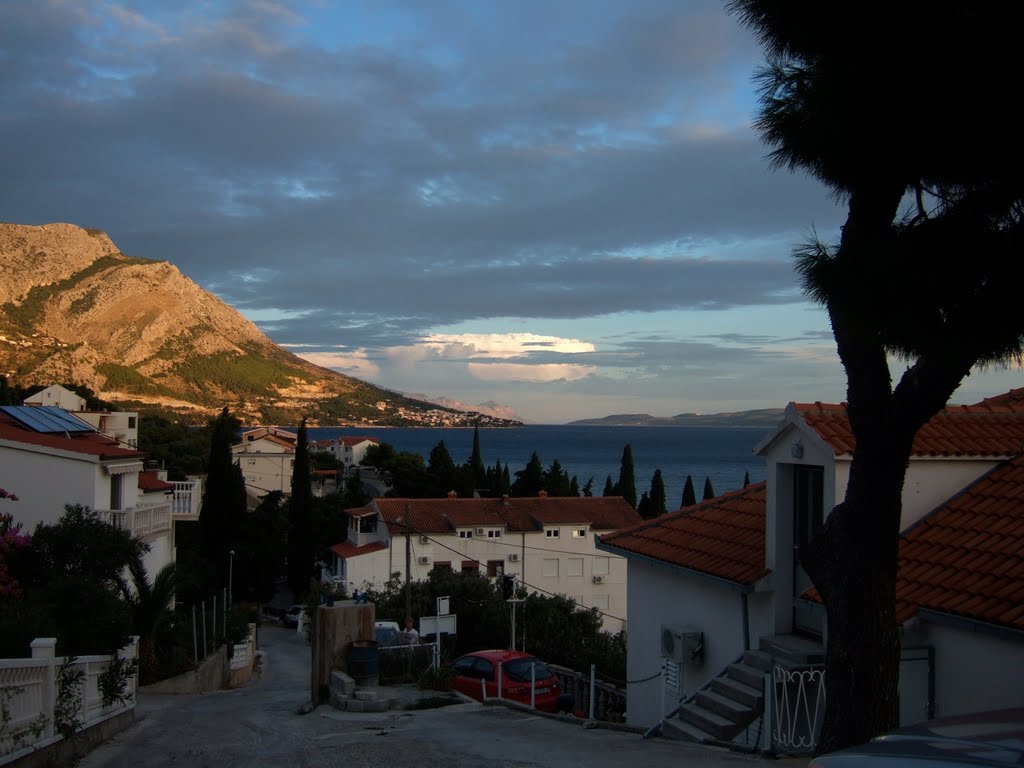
[[259, 725]]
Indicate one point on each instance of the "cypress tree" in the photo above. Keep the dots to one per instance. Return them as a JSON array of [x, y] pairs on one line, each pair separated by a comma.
[[689, 494], [300, 520], [626, 486], [223, 508], [644, 507], [709, 492], [657, 494], [746, 479], [476, 462], [609, 489]]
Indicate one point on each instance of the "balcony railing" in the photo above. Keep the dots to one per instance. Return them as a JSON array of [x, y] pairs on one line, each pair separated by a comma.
[[185, 500], [143, 520]]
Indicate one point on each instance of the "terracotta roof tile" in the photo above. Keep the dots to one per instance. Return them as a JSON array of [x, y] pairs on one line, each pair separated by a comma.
[[150, 481], [993, 427], [345, 549], [967, 556], [514, 514], [721, 537]]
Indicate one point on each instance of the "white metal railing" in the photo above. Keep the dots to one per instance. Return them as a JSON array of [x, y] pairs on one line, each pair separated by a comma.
[[32, 700], [142, 520], [798, 701]]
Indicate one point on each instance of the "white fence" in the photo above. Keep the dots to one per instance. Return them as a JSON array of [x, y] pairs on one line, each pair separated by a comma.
[[143, 520], [186, 499], [45, 697], [797, 698]]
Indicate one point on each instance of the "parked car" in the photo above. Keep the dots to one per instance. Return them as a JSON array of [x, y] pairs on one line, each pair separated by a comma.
[[518, 672], [991, 739], [291, 616]]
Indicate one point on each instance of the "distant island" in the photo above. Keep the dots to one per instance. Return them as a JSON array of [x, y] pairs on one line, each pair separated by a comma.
[[765, 417]]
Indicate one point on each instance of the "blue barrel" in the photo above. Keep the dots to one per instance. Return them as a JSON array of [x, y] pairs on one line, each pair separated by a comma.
[[364, 662]]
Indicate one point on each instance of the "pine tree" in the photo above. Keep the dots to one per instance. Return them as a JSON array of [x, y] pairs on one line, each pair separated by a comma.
[[709, 492], [588, 487], [529, 480], [574, 486], [689, 494], [441, 468], [644, 507], [609, 488], [300, 520], [746, 479], [626, 487], [658, 494]]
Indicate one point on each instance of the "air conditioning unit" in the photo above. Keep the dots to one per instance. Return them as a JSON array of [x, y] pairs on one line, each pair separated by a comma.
[[480, 531], [424, 539], [514, 557], [424, 561], [683, 645], [598, 579]]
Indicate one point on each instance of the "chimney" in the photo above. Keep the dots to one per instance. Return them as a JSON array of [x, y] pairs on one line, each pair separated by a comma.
[[452, 494], [542, 494], [504, 499]]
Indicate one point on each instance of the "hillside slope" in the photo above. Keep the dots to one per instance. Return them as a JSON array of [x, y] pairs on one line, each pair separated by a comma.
[[73, 308]]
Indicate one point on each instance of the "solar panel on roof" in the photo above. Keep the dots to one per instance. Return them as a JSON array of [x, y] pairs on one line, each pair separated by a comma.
[[46, 419]]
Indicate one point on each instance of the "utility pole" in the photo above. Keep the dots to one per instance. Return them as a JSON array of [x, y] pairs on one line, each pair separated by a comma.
[[408, 562]]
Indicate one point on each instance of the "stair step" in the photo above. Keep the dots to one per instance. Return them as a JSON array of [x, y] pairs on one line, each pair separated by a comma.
[[746, 674], [759, 659], [793, 650], [724, 706], [680, 730], [717, 726], [739, 691]]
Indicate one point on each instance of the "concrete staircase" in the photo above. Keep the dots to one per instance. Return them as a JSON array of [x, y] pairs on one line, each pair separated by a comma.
[[735, 699]]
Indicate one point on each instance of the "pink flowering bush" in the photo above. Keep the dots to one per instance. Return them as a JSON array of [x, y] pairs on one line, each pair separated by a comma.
[[11, 538]]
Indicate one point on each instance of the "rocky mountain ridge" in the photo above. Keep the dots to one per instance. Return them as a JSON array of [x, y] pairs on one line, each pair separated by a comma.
[[73, 308]]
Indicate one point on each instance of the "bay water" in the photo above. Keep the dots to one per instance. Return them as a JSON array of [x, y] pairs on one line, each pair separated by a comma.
[[723, 454]]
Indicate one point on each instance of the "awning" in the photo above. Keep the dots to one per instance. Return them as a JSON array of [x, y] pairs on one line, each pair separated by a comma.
[[123, 467]]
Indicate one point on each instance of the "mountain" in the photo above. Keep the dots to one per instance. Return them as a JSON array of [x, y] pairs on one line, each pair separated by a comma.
[[765, 417], [490, 408], [74, 309]]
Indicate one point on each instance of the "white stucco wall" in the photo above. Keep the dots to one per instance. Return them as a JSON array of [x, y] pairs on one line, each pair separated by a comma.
[[660, 595], [974, 671], [44, 483]]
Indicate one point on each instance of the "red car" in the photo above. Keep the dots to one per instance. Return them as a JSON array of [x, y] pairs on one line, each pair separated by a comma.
[[518, 671]]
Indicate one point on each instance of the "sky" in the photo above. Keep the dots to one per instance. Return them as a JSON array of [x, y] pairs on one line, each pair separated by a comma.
[[559, 206]]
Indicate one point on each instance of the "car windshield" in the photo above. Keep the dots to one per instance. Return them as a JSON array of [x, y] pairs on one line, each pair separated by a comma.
[[386, 636], [519, 669]]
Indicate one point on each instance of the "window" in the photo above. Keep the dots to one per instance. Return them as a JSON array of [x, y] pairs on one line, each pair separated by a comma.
[[601, 602], [470, 566], [494, 534], [131, 422], [116, 491], [574, 567], [495, 567], [550, 566], [368, 524], [600, 566], [579, 533], [465, 534], [442, 565], [551, 533]]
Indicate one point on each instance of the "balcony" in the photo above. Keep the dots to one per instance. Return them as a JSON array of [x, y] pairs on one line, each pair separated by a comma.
[[186, 500], [144, 520]]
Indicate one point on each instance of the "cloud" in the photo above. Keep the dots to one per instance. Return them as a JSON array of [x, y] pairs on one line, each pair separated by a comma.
[[545, 372]]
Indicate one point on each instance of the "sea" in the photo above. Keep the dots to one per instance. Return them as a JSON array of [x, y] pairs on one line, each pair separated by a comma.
[[723, 454]]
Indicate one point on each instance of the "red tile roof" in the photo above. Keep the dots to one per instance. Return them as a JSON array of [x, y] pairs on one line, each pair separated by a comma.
[[149, 481], [88, 443], [993, 427], [722, 537], [966, 558], [358, 440], [345, 549], [515, 514]]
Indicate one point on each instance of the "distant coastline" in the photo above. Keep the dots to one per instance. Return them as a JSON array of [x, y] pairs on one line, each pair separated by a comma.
[[765, 417]]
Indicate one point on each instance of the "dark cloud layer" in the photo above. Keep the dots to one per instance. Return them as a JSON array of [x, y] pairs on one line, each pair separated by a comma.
[[375, 172]]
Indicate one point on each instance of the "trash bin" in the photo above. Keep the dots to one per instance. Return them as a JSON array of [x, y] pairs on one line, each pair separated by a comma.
[[364, 662]]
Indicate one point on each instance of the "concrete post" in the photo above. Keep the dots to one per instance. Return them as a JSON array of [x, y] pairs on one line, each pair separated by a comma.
[[44, 649]]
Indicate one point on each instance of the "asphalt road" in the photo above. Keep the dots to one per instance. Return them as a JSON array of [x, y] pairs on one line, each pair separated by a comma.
[[260, 725]]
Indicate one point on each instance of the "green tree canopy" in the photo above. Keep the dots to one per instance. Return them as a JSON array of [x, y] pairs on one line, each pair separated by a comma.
[[300, 519], [658, 494], [530, 479], [689, 494]]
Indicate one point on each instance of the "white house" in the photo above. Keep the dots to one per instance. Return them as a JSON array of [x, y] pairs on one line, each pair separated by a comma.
[[722, 575], [350, 451], [50, 458], [267, 458], [57, 396], [547, 543]]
